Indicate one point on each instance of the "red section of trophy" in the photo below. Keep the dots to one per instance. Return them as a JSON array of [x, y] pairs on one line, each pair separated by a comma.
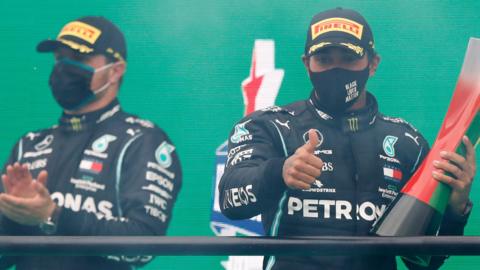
[[463, 107]]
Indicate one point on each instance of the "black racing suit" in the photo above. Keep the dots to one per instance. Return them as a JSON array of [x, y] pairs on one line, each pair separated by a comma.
[[367, 158], [110, 173]]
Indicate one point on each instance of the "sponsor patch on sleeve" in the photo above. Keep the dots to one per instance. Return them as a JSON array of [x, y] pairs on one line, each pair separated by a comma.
[[163, 154]]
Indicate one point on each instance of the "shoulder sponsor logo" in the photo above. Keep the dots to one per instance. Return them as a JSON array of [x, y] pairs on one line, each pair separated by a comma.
[[241, 133], [389, 145], [87, 185], [242, 156], [398, 120], [100, 145], [394, 120], [44, 143], [39, 153], [276, 109], [163, 154], [153, 165], [285, 124], [337, 24], [319, 134], [272, 109], [141, 122]]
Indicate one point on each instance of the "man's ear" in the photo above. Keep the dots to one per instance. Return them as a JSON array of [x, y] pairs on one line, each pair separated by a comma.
[[117, 71], [305, 61], [374, 64]]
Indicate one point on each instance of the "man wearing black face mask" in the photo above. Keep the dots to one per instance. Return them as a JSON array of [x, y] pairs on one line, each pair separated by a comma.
[[331, 164], [101, 171]]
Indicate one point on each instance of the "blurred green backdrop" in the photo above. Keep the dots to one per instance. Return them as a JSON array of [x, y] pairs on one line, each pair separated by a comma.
[[186, 60]]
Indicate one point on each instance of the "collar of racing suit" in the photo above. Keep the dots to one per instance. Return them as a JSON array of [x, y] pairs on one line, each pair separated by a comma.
[[77, 123], [353, 121]]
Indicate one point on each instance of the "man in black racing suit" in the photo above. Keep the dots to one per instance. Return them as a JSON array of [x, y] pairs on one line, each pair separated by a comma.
[[106, 172], [331, 164]]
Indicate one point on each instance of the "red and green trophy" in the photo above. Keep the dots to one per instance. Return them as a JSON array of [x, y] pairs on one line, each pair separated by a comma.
[[419, 207]]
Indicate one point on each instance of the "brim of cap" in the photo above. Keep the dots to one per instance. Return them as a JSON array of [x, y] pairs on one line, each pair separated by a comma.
[[326, 43], [49, 45]]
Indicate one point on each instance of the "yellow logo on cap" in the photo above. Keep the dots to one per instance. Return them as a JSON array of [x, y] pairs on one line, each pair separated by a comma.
[[79, 47], [337, 24], [357, 49], [318, 46], [81, 30]]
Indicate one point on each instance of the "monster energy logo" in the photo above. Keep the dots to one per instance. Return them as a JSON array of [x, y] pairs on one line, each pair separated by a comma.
[[353, 123], [76, 124]]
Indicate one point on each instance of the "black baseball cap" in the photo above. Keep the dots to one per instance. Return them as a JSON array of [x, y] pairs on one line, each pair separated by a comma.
[[340, 28], [89, 35]]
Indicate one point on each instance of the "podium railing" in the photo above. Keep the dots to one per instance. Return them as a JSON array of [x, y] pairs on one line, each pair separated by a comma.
[[206, 246]]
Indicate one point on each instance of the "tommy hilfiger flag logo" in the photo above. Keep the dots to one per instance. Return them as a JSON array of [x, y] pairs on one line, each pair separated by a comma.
[[392, 173], [91, 166]]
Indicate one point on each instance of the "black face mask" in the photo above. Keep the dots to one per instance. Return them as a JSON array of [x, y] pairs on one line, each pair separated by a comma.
[[70, 83], [337, 89]]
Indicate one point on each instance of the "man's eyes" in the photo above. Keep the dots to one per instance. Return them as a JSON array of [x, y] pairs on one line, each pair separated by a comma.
[[71, 55], [325, 60], [348, 59]]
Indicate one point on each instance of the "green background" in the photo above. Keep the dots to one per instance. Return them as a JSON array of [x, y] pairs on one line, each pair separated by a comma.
[[186, 60]]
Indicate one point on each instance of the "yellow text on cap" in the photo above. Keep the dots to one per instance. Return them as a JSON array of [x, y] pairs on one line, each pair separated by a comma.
[[81, 30], [337, 24]]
